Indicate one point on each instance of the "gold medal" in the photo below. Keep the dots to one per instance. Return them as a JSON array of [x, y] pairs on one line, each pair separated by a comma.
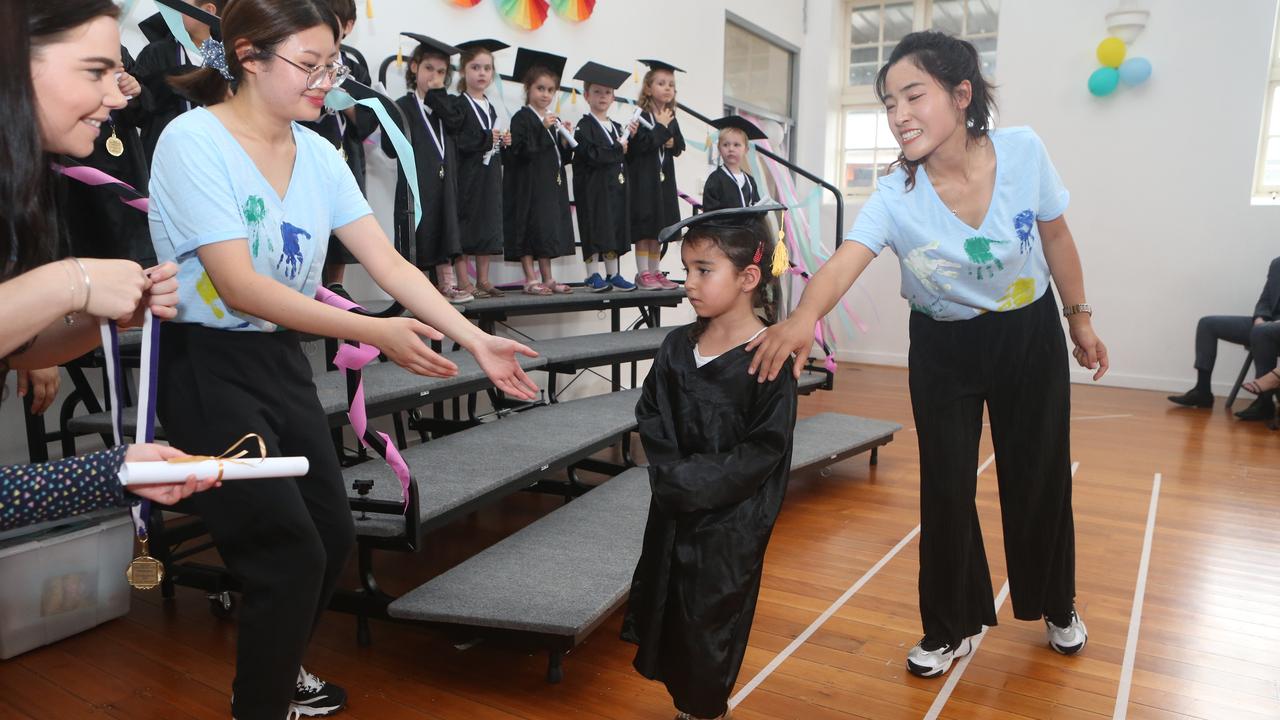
[[559, 180], [622, 179], [441, 172], [145, 572], [342, 153], [662, 176], [115, 146]]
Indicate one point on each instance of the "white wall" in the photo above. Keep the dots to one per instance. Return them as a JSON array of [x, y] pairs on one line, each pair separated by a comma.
[[1160, 177]]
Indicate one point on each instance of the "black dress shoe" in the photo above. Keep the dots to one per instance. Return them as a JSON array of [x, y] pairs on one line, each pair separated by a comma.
[[1194, 397], [1262, 408]]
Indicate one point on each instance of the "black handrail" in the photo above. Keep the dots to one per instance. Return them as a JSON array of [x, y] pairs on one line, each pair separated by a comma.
[[839, 196]]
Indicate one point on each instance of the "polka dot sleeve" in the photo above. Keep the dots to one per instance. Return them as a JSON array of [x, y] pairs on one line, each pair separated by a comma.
[[51, 491]]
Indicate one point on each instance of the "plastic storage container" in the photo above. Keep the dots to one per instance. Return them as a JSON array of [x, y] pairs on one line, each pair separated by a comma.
[[62, 580]]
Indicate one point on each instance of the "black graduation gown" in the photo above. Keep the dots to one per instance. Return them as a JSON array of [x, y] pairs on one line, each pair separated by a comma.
[[719, 451], [98, 224], [722, 191], [655, 203], [158, 62], [535, 191], [479, 186], [437, 238], [600, 192], [348, 137]]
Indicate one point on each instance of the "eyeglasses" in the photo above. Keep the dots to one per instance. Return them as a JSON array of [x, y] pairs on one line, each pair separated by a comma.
[[336, 72]]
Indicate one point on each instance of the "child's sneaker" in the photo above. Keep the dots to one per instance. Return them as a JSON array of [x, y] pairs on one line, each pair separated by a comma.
[[457, 296], [617, 282], [664, 282], [595, 283], [1070, 639], [315, 697], [931, 658], [647, 281]]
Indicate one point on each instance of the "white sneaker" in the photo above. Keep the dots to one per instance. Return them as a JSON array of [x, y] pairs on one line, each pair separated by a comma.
[[931, 658], [1067, 640]]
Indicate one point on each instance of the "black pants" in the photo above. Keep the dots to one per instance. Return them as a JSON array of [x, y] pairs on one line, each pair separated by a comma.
[[1262, 340], [286, 540], [1016, 364]]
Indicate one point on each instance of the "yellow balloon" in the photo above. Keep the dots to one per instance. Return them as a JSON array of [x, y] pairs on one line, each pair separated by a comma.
[[1111, 52]]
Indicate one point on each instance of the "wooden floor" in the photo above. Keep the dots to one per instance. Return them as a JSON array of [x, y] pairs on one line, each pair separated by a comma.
[[1208, 646]]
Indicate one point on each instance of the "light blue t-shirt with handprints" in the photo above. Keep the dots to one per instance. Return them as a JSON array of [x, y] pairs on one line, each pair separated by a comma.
[[951, 271], [206, 189]]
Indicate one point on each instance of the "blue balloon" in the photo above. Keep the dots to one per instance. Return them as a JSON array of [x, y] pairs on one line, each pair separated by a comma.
[[1103, 81], [1135, 71]]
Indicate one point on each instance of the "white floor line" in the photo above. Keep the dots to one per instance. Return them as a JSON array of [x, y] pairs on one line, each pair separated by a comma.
[[1135, 615], [826, 615], [953, 677]]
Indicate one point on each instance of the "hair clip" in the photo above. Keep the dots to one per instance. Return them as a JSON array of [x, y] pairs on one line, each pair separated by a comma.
[[755, 259], [215, 57]]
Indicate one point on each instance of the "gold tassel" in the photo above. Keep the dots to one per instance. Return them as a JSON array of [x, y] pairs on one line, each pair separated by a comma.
[[558, 99], [368, 9], [780, 259], [399, 57], [573, 99]]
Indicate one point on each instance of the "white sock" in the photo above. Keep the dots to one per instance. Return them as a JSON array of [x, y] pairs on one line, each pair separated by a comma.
[[590, 264], [444, 271], [611, 265]]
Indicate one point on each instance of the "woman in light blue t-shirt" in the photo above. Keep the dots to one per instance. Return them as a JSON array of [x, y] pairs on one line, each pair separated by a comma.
[[244, 200], [975, 217]]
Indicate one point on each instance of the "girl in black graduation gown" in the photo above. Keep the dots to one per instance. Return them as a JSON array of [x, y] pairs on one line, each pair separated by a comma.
[[471, 121], [437, 238], [729, 185], [600, 189], [651, 173], [535, 188], [718, 445]]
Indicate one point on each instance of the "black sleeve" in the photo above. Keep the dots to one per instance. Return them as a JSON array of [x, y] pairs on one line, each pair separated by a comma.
[[140, 107], [593, 150], [152, 71], [653, 411], [453, 110], [1268, 307], [674, 130], [61, 489], [366, 120], [646, 140], [528, 137], [711, 196], [709, 481]]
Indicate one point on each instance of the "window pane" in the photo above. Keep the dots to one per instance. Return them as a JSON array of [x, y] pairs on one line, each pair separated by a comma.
[[859, 168], [860, 130], [898, 18], [948, 16], [983, 15], [757, 72], [1271, 171], [863, 74], [865, 26], [986, 47], [864, 55], [1274, 129]]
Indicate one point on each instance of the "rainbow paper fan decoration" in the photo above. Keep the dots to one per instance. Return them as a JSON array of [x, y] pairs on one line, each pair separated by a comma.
[[574, 10], [464, 3], [524, 14]]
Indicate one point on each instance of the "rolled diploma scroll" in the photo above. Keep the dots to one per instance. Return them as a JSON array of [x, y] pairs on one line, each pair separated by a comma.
[[638, 116], [497, 145], [566, 135], [157, 473]]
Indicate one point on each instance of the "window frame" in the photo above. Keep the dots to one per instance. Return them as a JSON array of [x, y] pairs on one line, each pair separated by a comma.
[[1268, 194]]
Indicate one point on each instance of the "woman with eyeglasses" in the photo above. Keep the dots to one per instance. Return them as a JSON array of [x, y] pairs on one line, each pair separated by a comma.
[[244, 199]]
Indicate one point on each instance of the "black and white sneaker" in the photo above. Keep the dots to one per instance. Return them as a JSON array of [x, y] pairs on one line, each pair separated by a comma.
[[315, 697], [1067, 640], [931, 658]]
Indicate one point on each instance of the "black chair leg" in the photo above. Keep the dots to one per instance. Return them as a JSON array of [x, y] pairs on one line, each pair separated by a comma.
[[1244, 370]]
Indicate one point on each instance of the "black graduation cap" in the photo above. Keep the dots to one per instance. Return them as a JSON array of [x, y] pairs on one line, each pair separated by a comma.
[[661, 65], [191, 11], [488, 44], [594, 73], [527, 60], [734, 121], [727, 218], [155, 28], [440, 47]]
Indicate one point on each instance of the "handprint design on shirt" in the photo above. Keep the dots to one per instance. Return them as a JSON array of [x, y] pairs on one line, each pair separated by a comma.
[[292, 253], [978, 248], [1024, 224], [925, 266], [255, 216]]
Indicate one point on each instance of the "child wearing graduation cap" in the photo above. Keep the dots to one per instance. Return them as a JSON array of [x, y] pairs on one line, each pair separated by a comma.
[[535, 191], [730, 185], [718, 445], [437, 237], [471, 120], [600, 179], [651, 171]]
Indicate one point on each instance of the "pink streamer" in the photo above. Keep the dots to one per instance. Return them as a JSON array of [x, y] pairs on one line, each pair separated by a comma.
[[355, 358], [94, 176]]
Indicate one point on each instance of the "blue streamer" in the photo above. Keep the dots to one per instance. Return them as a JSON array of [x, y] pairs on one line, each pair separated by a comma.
[[339, 100], [173, 19]]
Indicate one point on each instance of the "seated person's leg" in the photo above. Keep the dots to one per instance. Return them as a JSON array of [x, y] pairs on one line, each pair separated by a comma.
[[1211, 329]]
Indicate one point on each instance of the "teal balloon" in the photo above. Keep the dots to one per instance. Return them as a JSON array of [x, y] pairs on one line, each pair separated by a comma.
[[1135, 71], [1103, 81]]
